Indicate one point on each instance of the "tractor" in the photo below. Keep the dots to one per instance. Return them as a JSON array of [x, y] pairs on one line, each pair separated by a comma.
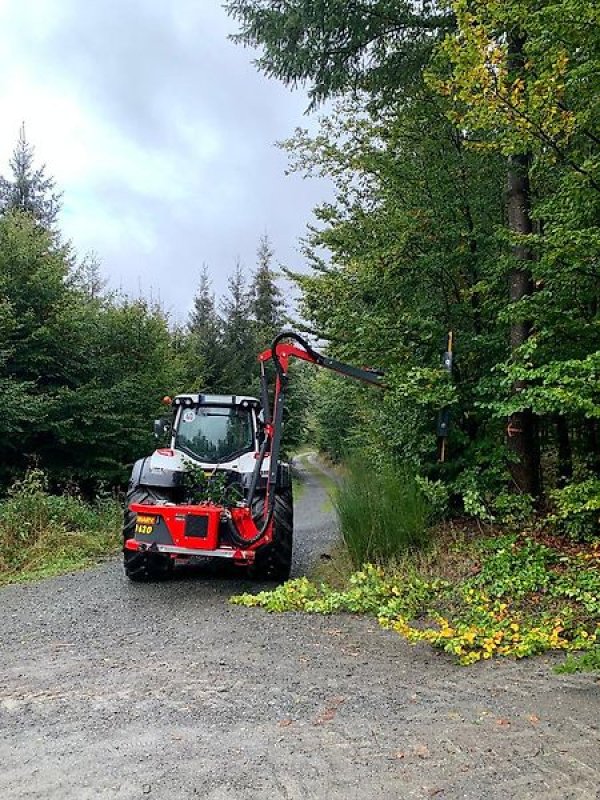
[[220, 490]]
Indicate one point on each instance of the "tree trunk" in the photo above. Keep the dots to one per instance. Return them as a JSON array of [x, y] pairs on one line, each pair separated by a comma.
[[522, 429], [592, 444], [565, 453]]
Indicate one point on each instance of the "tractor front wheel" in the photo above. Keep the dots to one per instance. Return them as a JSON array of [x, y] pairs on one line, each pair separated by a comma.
[[143, 567], [273, 561]]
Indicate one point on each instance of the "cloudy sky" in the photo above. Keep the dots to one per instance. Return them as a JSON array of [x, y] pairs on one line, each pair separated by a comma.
[[161, 134]]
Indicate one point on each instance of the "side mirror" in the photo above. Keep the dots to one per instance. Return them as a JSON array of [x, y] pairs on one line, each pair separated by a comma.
[[162, 427]]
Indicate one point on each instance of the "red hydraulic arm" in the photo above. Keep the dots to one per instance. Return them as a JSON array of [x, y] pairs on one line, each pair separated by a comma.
[[280, 353]]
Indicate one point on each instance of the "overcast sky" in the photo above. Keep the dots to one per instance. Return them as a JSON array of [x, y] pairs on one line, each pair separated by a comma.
[[159, 131]]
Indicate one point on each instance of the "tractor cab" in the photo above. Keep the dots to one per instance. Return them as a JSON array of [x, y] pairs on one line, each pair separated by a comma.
[[212, 431]]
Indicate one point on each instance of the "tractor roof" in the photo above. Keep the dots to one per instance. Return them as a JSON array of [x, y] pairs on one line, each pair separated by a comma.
[[215, 400]]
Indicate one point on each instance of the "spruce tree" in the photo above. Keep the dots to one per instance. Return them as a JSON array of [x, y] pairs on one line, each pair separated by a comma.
[[29, 189], [267, 302], [239, 348], [377, 46], [205, 361], [87, 277]]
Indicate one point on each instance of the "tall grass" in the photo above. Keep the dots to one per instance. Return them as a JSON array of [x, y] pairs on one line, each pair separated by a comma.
[[382, 513], [44, 534]]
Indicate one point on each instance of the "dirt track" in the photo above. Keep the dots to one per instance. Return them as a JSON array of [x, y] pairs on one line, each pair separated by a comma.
[[113, 690]]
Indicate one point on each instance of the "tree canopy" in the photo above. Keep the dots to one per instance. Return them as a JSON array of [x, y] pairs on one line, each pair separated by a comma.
[[464, 153], [335, 46], [83, 369]]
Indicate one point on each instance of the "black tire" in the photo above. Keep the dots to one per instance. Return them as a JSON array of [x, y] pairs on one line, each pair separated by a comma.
[[143, 567], [273, 561]]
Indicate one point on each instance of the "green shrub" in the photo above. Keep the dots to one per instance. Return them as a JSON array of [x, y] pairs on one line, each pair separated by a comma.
[[578, 509], [585, 662], [511, 508], [42, 533], [514, 569], [382, 513], [437, 495]]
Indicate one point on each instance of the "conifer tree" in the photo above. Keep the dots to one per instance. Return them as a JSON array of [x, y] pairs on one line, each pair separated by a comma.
[[204, 327], [29, 189], [87, 277], [267, 302], [239, 350], [377, 46]]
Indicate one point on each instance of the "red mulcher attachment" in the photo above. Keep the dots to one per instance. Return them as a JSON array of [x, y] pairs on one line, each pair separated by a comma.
[[197, 530]]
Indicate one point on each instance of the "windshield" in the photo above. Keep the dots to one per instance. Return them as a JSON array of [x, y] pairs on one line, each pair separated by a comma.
[[214, 434]]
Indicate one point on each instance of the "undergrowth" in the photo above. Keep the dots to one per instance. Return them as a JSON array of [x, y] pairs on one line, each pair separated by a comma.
[[43, 534], [382, 513], [586, 662], [475, 599]]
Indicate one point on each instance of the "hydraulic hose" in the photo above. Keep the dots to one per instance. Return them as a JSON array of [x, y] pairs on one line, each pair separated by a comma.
[[318, 358], [302, 342], [239, 540]]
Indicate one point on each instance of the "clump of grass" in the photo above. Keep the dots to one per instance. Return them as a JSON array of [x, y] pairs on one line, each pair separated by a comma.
[[44, 534], [586, 662], [382, 513]]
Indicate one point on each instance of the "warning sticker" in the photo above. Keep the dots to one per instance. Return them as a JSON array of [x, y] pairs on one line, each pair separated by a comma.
[[189, 415]]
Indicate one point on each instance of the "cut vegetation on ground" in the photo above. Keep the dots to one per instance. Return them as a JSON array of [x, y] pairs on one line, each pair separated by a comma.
[[517, 597], [474, 592]]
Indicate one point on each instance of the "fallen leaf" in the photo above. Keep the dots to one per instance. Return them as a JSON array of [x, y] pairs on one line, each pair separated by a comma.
[[399, 754], [326, 716], [329, 711], [421, 750], [533, 718], [285, 723], [504, 723]]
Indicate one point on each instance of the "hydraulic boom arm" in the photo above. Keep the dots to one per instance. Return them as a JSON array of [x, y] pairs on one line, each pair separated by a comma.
[[280, 353]]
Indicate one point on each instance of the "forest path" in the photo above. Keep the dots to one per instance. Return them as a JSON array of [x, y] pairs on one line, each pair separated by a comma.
[[115, 690]]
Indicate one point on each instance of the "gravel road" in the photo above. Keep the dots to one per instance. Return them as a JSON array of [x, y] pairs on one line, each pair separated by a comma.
[[115, 690]]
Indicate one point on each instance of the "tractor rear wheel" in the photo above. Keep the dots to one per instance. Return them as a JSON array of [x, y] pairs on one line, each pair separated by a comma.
[[273, 561], [143, 567]]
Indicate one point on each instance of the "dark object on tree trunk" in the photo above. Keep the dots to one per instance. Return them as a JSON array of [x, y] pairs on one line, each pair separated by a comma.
[[444, 416]]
